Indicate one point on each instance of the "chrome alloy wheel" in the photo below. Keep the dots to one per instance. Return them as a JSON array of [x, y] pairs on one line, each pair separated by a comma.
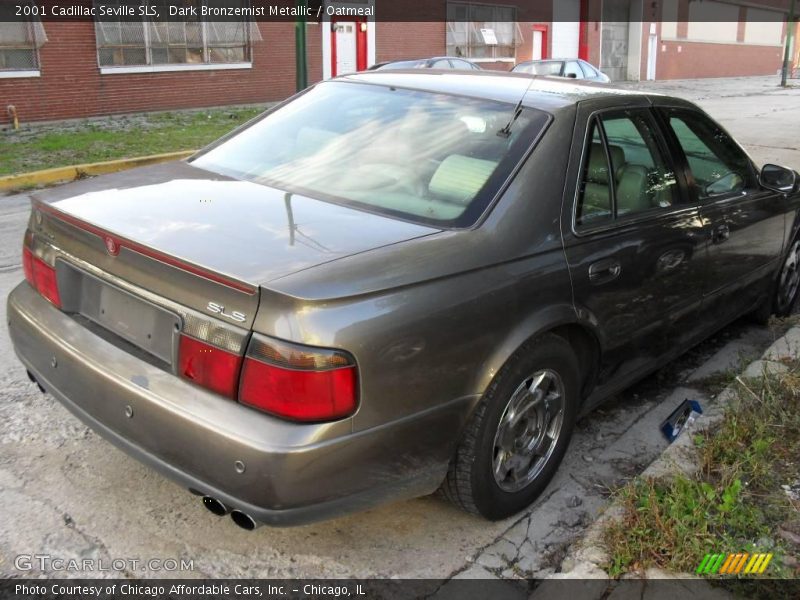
[[528, 430], [790, 278]]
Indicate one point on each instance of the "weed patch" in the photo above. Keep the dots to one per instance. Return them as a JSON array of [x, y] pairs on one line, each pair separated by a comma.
[[61, 145], [737, 501]]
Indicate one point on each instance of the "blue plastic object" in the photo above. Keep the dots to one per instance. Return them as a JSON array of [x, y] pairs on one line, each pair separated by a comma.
[[680, 418]]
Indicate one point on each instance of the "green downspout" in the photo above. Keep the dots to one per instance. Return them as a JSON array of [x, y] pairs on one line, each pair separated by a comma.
[[301, 61]]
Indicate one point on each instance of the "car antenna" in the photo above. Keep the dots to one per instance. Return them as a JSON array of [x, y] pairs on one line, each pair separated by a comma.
[[506, 131]]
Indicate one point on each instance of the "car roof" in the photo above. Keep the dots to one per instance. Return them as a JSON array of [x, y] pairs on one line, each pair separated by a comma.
[[427, 58], [549, 60], [546, 93]]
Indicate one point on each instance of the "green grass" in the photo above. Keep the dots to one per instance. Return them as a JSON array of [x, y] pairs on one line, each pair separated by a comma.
[[31, 149], [734, 503]]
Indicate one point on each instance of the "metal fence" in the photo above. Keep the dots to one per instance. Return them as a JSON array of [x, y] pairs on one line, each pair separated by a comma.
[[19, 44], [153, 41]]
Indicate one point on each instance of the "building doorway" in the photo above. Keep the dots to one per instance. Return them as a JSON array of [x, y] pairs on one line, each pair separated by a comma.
[[539, 37], [348, 46], [348, 43], [614, 44]]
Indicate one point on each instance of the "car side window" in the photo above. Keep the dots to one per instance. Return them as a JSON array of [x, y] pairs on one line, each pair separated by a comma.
[[625, 172], [588, 70], [573, 68], [718, 165], [441, 64], [642, 179]]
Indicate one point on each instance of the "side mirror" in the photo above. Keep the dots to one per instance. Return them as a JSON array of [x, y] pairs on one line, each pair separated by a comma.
[[572, 75], [779, 179]]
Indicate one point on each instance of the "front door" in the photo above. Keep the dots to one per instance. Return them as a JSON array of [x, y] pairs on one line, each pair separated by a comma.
[[348, 47], [634, 244], [344, 43], [744, 222]]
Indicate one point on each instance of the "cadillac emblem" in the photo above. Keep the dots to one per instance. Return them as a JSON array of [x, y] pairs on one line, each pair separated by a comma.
[[112, 246]]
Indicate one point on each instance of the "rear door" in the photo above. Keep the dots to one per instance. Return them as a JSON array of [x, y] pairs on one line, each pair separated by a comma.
[[744, 223], [632, 240]]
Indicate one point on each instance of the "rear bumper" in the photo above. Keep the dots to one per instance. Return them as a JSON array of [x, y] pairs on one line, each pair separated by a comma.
[[293, 473]]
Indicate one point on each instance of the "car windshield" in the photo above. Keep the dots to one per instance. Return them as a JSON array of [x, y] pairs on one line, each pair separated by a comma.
[[425, 157]]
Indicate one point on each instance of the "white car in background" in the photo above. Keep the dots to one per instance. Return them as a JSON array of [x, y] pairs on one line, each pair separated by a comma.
[[574, 68]]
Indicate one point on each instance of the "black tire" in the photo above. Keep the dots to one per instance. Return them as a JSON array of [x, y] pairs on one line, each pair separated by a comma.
[[783, 295], [784, 299], [471, 482]]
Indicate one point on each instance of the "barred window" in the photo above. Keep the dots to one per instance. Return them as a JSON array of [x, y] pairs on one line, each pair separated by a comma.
[[482, 31], [164, 42], [19, 44]]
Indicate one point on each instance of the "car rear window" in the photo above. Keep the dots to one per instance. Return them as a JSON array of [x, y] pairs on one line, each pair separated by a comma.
[[426, 157]]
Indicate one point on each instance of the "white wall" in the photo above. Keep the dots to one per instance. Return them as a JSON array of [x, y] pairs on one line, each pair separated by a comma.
[[763, 27], [566, 28], [724, 30], [669, 20]]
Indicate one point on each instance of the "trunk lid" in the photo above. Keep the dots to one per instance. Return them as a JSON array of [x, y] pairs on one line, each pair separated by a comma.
[[197, 238]]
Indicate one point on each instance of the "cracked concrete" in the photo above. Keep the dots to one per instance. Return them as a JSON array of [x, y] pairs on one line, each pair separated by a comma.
[[70, 494]]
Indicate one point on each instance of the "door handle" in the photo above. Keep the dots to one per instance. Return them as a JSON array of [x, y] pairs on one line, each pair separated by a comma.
[[720, 234], [604, 271]]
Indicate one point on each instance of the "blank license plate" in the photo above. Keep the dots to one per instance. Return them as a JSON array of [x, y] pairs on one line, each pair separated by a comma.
[[141, 323]]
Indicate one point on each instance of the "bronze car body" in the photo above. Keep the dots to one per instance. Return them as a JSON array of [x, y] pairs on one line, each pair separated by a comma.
[[429, 314]]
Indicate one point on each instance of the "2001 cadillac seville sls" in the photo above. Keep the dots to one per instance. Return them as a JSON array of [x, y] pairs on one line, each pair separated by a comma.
[[397, 282]]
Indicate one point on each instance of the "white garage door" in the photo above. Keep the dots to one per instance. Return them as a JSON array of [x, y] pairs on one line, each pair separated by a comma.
[[566, 28]]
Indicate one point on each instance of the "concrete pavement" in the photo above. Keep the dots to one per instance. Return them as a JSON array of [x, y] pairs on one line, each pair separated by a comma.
[[69, 494]]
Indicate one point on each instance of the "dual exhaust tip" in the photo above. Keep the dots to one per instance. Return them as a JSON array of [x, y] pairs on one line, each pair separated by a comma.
[[220, 509]]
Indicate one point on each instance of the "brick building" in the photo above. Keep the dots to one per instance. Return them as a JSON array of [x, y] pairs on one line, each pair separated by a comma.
[[80, 68], [673, 39]]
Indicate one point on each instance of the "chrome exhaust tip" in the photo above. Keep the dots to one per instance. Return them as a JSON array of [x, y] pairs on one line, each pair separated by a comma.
[[244, 520], [215, 506]]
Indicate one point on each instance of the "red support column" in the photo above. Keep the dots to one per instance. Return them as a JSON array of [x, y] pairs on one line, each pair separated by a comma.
[[583, 35], [361, 45]]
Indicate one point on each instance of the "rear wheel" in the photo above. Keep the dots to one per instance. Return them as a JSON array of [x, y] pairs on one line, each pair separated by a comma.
[[519, 432]]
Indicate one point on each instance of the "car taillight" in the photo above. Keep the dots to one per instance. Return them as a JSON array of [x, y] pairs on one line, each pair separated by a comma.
[[41, 276], [211, 367], [297, 382]]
